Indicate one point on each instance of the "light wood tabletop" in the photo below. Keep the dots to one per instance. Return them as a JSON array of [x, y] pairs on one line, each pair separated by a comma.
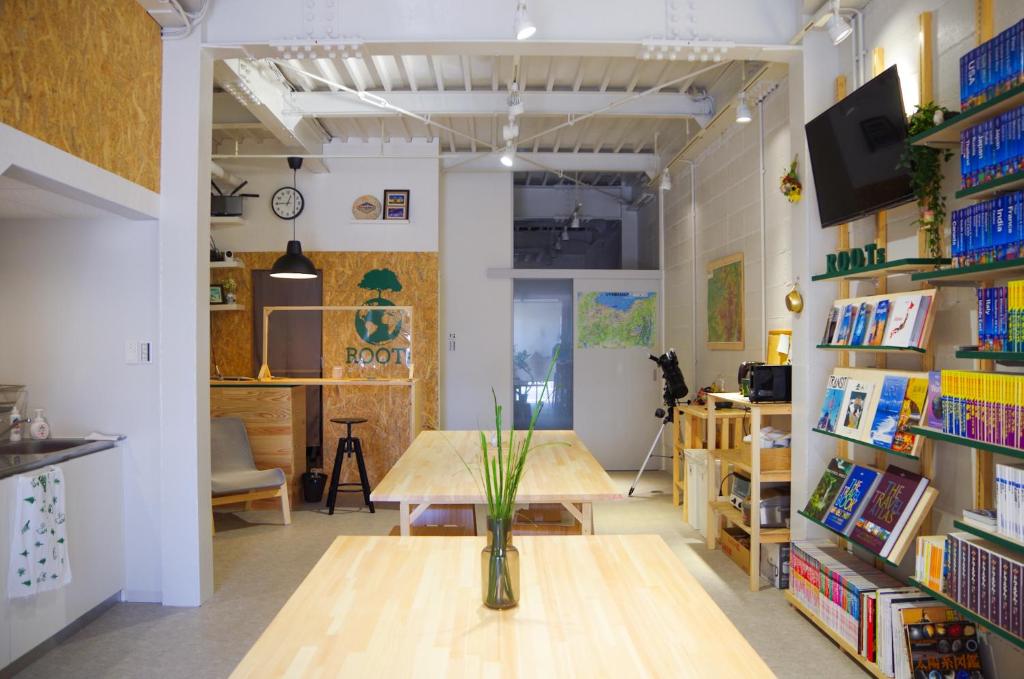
[[590, 606], [559, 469]]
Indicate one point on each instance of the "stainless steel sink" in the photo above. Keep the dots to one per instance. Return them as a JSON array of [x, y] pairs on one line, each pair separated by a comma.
[[22, 456]]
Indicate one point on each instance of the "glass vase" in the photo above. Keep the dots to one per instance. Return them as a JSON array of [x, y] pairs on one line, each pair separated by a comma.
[[499, 566]]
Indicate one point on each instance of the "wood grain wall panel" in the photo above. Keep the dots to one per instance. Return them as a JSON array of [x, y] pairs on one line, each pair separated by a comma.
[[386, 436], [84, 76]]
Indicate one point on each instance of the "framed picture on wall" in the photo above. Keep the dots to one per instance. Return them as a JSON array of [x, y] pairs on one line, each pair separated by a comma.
[[396, 204], [217, 294], [725, 303]]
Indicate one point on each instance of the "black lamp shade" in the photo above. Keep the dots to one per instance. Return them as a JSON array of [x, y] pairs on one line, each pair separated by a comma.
[[293, 264]]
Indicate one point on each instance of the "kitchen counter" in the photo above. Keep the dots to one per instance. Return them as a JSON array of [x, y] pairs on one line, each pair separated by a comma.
[[27, 455]]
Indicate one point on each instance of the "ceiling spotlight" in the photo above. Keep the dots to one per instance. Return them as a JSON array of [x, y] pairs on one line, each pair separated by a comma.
[[666, 181], [508, 156], [743, 114], [515, 102], [521, 25], [839, 29]]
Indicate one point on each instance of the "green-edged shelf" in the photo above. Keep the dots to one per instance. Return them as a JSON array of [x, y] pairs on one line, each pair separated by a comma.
[[990, 535], [972, 274], [948, 133], [930, 433], [1007, 357], [991, 189], [896, 267], [864, 443], [846, 537], [968, 613], [872, 349]]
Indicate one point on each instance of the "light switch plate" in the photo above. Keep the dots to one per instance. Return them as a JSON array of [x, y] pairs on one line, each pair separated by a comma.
[[131, 352], [145, 352]]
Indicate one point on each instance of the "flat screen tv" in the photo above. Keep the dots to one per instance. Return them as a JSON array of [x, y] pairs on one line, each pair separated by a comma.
[[855, 149]]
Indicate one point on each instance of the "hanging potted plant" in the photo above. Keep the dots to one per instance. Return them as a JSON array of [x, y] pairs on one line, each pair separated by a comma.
[[790, 185], [499, 472], [925, 165]]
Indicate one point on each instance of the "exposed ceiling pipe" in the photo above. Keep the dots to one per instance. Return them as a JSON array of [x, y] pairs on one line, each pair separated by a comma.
[[220, 173]]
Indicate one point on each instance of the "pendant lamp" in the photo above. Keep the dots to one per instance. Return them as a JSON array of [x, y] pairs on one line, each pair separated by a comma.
[[293, 264]]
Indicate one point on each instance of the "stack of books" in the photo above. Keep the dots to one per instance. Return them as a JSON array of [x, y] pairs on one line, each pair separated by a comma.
[[992, 149], [991, 231], [896, 321], [871, 507], [993, 67], [1009, 518], [980, 576], [1001, 317], [985, 407]]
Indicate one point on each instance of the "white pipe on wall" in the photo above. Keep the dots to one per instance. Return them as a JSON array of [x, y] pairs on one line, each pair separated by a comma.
[[764, 219]]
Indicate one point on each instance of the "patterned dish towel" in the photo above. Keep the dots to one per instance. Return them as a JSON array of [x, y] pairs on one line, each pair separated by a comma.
[[39, 549]]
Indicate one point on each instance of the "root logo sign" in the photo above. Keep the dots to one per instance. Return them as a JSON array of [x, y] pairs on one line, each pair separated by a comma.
[[377, 327]]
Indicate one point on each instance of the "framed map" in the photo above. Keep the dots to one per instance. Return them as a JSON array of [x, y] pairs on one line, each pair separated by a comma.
[[725, 303], [615, 320]]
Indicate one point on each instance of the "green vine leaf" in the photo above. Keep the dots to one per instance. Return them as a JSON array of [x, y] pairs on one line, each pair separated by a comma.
[[925, 165]]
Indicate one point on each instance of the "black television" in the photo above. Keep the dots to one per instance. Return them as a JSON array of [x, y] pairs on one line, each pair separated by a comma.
[[855, 149]]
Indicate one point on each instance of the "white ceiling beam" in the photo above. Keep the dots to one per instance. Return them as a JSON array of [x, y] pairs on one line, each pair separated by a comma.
[[556, 162], [495, 72], [438, 76], [487, 102], [578, 81], [263, 92], [467, 75], [377, 74], [353, 72], [408, 72]]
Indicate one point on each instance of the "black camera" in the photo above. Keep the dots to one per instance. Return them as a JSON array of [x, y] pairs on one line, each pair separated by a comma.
[[675, 385]]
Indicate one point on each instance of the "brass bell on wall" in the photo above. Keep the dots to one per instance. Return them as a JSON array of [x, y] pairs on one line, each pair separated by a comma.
[[794, 300]]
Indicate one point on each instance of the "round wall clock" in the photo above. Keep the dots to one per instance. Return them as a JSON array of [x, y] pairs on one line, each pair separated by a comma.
[[287, 202]]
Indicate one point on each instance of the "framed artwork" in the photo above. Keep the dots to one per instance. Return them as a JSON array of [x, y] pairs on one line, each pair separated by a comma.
[[396, 204], [725, 303], [217, 294], [366, 207]]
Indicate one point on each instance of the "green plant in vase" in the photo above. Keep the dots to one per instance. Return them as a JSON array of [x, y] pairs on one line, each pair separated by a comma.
[[500, 470], [925, 165]]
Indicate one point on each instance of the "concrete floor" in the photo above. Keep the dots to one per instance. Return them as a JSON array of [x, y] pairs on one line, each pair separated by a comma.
[[258, 566]]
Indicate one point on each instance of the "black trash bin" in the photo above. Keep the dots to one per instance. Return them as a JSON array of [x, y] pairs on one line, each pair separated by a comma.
[[313, 484]]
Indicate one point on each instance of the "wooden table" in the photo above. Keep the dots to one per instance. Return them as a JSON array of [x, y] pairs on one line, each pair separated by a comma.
[[432, 472], [590, 606]]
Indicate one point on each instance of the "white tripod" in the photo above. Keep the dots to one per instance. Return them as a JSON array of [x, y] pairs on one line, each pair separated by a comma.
[[660, 412]]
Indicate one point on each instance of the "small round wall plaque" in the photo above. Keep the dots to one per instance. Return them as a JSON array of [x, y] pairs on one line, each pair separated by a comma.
[[366, 207]]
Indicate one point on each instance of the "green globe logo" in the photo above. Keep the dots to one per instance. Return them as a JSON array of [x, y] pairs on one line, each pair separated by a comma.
[[378, 327]]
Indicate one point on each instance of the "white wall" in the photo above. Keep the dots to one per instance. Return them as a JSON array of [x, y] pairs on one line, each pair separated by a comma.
[[728, 221], [71, 294], [326, 222]]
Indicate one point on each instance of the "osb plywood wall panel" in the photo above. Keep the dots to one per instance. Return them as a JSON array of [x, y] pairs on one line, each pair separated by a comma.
[[84, 76], [386, 436]]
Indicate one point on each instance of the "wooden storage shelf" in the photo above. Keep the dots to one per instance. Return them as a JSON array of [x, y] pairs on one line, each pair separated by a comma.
[[735, 550], [872, 349], [974, 274], [227, 307], [775, 462], [735, 517], [226, 221], [987, 624], [993, 188], [948, 133], [990, 535], [897, 267], [690, 432], [866, 444], [1010, 358], [928, 432], [233, 264], [871, 667]]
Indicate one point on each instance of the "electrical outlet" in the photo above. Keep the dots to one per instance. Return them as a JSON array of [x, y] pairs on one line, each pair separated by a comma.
[[131, 352]]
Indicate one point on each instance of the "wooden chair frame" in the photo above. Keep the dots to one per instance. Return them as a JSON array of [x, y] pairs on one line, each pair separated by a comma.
[[253, 495]]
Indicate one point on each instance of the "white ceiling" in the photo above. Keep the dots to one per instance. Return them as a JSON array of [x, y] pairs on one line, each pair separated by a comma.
[[19, 200]]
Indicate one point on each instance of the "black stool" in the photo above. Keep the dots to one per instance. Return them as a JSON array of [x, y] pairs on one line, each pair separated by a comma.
[[349, 445]]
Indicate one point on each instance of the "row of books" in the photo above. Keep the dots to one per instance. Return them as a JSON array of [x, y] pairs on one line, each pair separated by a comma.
[[992, 149], [1010, 501], [992, 67], [991, 231], [986, 407], [979, 575], [857, 409], [871, 507], [902, 630], [896, 321]]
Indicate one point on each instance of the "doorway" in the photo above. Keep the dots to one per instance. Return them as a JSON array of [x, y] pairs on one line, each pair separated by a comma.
[[541, 324]]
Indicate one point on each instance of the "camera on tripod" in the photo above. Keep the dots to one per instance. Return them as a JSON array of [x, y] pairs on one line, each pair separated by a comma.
[[675, 385]]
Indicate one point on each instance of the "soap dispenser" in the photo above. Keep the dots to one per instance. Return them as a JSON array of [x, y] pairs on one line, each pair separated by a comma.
[[15, 431], [40, 428]]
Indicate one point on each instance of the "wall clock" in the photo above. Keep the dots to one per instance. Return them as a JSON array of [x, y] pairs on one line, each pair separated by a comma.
[[287, 202]]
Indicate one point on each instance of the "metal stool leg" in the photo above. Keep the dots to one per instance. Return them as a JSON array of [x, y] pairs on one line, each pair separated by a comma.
[[363, 478], [332, 493]]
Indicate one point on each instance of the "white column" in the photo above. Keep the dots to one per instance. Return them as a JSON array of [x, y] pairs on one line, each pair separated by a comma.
[[184, 348]]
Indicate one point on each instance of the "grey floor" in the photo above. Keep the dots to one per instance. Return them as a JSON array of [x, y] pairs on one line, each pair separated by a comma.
[[258, 566]]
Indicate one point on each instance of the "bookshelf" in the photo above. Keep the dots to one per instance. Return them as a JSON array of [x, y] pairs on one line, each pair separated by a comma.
[[973, 275], [897, 267], [1011, 358], [866, 444], [948, 133], [990, 535], [970, 615], [993, 188], [849, 650], [869, 349], [937, 435]]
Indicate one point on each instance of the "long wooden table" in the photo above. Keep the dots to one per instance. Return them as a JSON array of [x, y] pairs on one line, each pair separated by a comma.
[[590, 606], [433, 470]]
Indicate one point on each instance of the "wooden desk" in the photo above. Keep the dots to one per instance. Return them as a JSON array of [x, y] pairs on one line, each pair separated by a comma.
[[590, 606], [431, 472]]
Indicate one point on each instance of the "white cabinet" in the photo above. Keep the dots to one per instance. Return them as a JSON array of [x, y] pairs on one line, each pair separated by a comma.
[[95, 535]]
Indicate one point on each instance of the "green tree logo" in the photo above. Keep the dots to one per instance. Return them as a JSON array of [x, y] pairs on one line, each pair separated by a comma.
[[378, 327]]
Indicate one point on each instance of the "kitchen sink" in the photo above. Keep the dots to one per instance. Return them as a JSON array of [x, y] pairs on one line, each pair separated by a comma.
[[22, 456]]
